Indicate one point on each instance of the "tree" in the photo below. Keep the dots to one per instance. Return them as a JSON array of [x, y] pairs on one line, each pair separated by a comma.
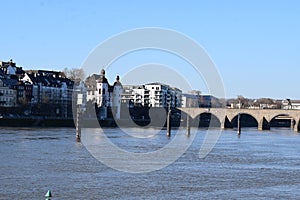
[[267, 101], [289, 103], [75, 74], [242, 102]]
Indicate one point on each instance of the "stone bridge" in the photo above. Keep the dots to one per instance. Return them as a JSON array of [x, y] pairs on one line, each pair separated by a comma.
[[263, 117]]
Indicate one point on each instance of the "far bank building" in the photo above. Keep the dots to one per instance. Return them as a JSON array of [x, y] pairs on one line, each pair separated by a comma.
[[107, 97]]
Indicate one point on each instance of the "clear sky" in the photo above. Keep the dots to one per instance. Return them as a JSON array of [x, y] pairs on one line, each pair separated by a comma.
[[254, 44]]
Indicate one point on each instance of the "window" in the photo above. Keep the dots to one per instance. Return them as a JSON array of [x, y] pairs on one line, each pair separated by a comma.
[[100, 91]]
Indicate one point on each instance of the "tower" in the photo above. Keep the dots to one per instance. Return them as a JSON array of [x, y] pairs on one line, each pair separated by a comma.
[[116, 98], [102, 95]]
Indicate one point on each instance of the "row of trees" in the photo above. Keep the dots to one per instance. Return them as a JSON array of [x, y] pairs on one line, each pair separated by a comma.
[[243, 102]]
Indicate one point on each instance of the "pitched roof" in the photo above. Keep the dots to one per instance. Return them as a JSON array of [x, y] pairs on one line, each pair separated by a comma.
[[50, 79]]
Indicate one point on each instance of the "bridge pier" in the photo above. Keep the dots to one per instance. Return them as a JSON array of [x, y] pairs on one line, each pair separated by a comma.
[[296, 126], [263, 124], [223, 126], [225, 123], [292, 124]]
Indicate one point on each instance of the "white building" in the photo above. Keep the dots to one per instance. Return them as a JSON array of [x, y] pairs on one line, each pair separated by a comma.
[[161, 95], [135, 95], [104, 95], [291, 104], [116, 98]]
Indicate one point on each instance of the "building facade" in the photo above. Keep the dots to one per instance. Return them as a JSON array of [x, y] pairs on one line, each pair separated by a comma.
[[190, 100], [107, 97], [8, 95], [135, 96], [42, 87], [161, 95], [291, 104], [151, 95], [10, 89]]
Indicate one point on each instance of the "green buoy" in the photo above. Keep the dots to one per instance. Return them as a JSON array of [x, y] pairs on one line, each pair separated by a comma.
[[48, 195]]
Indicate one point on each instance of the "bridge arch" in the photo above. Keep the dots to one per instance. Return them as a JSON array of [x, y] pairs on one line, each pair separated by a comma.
[[263, 117], [283, 120], [247, 120], [204, 118], [207, 119]]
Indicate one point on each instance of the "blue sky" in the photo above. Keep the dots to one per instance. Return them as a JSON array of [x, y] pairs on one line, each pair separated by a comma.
[[254, 44]]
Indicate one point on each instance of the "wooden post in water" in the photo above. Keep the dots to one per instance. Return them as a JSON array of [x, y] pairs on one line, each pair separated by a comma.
[[169, 126], [78, 117], [188, 125], [78, 124], [239, 126]]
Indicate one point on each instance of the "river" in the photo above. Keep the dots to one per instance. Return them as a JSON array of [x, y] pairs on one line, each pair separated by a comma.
[[258, 165]]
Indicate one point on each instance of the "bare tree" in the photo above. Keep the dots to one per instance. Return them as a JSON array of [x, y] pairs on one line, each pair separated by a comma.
[[242, 101], [75, 74]]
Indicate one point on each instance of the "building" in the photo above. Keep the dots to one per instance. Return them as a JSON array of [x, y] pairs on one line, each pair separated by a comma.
[[205, 101], [107, 97], [12, 90], [10, 68], [291, 104], [191, 99], [209, 101], [116, 98], [177, 97], [8, 95], [135, 96], [50, 88], [161, 95]]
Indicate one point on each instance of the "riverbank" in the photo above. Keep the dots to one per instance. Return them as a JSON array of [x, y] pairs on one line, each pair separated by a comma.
[[36, 121], [203, 121]]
